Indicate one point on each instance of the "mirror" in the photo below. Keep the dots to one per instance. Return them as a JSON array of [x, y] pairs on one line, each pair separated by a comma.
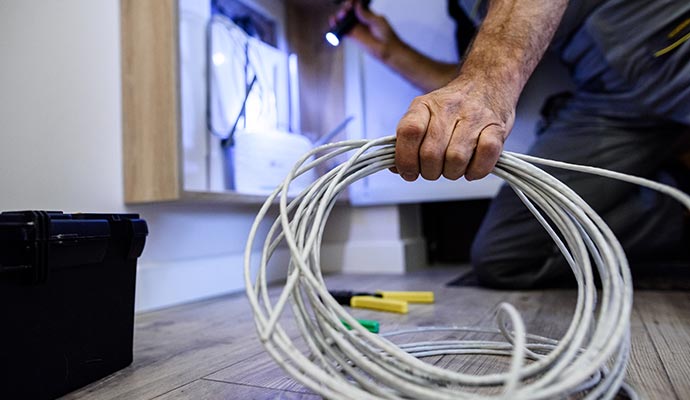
[[241, 127]]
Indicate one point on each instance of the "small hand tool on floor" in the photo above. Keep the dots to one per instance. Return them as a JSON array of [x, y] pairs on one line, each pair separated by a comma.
[[370, 325], [381, 300], [410, 297], [365, 300]]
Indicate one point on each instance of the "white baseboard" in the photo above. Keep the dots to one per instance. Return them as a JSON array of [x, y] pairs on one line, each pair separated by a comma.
[[374, 256], [164, 284]]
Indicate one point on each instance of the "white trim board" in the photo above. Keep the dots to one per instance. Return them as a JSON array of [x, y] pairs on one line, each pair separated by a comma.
[[165, 284]]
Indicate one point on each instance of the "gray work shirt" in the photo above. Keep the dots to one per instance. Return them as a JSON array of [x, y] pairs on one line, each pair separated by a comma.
[[612, 47], [575, 14]]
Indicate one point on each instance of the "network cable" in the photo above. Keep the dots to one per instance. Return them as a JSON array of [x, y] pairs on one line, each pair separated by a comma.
[[589, 361]]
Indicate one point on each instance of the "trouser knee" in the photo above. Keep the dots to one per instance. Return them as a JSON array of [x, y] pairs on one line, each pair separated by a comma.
[[502, 266], [489, 270]]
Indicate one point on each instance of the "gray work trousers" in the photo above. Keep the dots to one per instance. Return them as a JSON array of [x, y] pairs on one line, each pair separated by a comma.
[[625, 120], [512, 250]]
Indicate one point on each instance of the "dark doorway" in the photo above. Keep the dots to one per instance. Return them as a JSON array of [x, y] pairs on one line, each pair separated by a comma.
[[450, 227]]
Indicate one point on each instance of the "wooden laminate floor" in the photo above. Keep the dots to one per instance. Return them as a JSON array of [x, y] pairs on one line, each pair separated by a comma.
[[209, 350]]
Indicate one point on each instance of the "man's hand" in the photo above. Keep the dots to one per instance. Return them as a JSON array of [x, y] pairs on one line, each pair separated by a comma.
[[375, 35], [459, 130], [455, 131], [373, 32]]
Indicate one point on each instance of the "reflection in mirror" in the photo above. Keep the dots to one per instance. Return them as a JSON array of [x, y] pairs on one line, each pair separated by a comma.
[[251, 105], [242, 81]]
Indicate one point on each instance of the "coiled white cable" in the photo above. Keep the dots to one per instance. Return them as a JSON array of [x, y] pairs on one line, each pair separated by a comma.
[[589, 360]]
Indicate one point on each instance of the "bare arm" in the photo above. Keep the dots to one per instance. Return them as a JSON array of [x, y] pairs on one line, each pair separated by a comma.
[[460, 128], [375, 35], [424, 72]]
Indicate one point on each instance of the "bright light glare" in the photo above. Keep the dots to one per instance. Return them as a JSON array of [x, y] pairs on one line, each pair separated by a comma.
[[218, 59], [332, 39]]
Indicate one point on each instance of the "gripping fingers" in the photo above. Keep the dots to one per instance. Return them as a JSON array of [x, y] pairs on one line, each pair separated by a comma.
[[433, 149], [459, 151], [410, 134], [489, 148]]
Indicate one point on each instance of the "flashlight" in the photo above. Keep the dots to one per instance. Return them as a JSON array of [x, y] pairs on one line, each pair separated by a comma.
[[344, 26]]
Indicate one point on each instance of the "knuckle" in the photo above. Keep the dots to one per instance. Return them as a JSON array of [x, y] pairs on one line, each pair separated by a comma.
[[456, 157], [419, 100], [492, 147], [409, 128], [417, 103], [430, 153]]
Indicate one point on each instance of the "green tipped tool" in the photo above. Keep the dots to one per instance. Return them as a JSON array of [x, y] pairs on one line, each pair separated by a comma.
[[371, 326]]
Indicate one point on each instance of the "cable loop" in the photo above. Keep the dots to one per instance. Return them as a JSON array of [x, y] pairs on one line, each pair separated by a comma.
[[589, 361]]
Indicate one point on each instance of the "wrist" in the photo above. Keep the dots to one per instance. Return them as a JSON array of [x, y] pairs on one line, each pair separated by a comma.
[[393, 51], [484, 86], [500, 75]]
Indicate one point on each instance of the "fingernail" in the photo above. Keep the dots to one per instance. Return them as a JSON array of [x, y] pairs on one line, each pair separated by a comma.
[[409, 177]]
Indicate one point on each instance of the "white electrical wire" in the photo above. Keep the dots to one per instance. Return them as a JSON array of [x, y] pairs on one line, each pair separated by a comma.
[[589, 361]]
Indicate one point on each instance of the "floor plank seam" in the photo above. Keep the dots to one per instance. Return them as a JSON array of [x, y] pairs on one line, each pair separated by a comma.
[[174, 389], [258, 386], [260, 353], [232, 364]]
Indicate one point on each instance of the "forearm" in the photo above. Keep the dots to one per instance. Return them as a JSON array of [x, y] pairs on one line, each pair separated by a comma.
[[459, 129], [376, 37], [418, 69], [510, 43]]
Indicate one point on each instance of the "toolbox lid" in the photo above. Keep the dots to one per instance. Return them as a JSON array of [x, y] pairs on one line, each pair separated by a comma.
[[38, 241]]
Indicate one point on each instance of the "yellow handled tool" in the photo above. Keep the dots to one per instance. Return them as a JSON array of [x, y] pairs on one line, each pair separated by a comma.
[[410, 297], [379, 304]]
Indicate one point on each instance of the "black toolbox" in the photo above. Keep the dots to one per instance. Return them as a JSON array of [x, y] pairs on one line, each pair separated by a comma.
[[66, 299]]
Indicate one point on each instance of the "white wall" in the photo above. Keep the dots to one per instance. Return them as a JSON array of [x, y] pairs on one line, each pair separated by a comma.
[[61, 149], [61, 146]]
